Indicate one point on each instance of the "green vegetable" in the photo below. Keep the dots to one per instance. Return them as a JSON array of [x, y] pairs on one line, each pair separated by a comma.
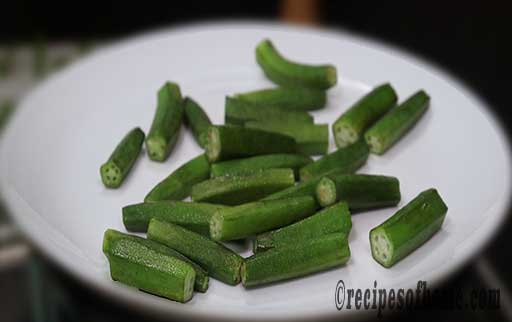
[[197, 120], [256, 217], [220, 262], [343, 160], [201, 281], [296, 259], [166, 124], [360, 191], [6, 110], [122, 159], [335, 218], [408, 228], [191, 215], [260, 162], [238, 112], [178, 184], [293, 99], [301, 189], [235, 190], [291, 74], [138, 265], [229, 142], [312, 139], [352, 124], [392, 126]]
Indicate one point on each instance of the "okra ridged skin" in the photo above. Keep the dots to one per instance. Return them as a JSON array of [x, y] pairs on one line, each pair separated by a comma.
[[166, 124], [287, 98], [408, 229], [238, 112], [260, 216], [352, 124], [122, 159], [296, 259], [137, 265], [343, 160], [287, 73], [236, 190], [360, 191], [202, 279], [178, 184], [194, 216], [301, 189], [258, 163], [395, 124], [231, 142], [197, 120], [221, 263], [312, 139], [335, 218]]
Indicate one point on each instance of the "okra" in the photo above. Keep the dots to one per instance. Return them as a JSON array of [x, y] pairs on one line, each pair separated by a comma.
[[238, 112], [220, 262], [230, 142], [296, 259], [138, 265], [166, 124], [312, 139], [287, 73], [343, 160], [392, 126], [301, 189], [288, 98], [178, 184], [335, 218], [260, 162], [122, 159], [235, 190], [260, 216], [408, 228], [360, 191], [352, 124], [191, 215], [197, 120], [201, 281]]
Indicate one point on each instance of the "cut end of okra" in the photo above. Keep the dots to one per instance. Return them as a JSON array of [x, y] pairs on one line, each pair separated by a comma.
[[344, 135], [374, 144], [382, 249], [111, 175], [326, 192], [212, 144], [216, 226], [156, 147], [331, 75]]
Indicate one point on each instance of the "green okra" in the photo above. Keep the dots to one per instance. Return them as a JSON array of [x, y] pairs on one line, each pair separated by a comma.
[[312, 139], [335, 218], [138, 265], [178, 184], [301, 189], [230, 142], [343, 160], [201, 281], [352, 124], [392, 126], [194, 216], [287, 98], [235, 190], [165, 129], [296, 259], [197, 120], [122, 159], [408, 228], [238, 112], [360, 191], [260, 216], [287, 73], [260, 162], [220, 262]]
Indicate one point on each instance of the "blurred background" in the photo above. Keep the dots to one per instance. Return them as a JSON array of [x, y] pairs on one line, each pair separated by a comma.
[[470, 39]]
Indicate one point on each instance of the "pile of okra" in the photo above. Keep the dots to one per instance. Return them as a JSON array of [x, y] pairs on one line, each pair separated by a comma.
[[256, 179]]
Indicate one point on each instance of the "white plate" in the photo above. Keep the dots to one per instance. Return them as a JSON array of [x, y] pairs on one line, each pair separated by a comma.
[[69, 125]]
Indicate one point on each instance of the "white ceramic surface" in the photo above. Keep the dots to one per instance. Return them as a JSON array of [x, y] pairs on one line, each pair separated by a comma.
[[67, 127]]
